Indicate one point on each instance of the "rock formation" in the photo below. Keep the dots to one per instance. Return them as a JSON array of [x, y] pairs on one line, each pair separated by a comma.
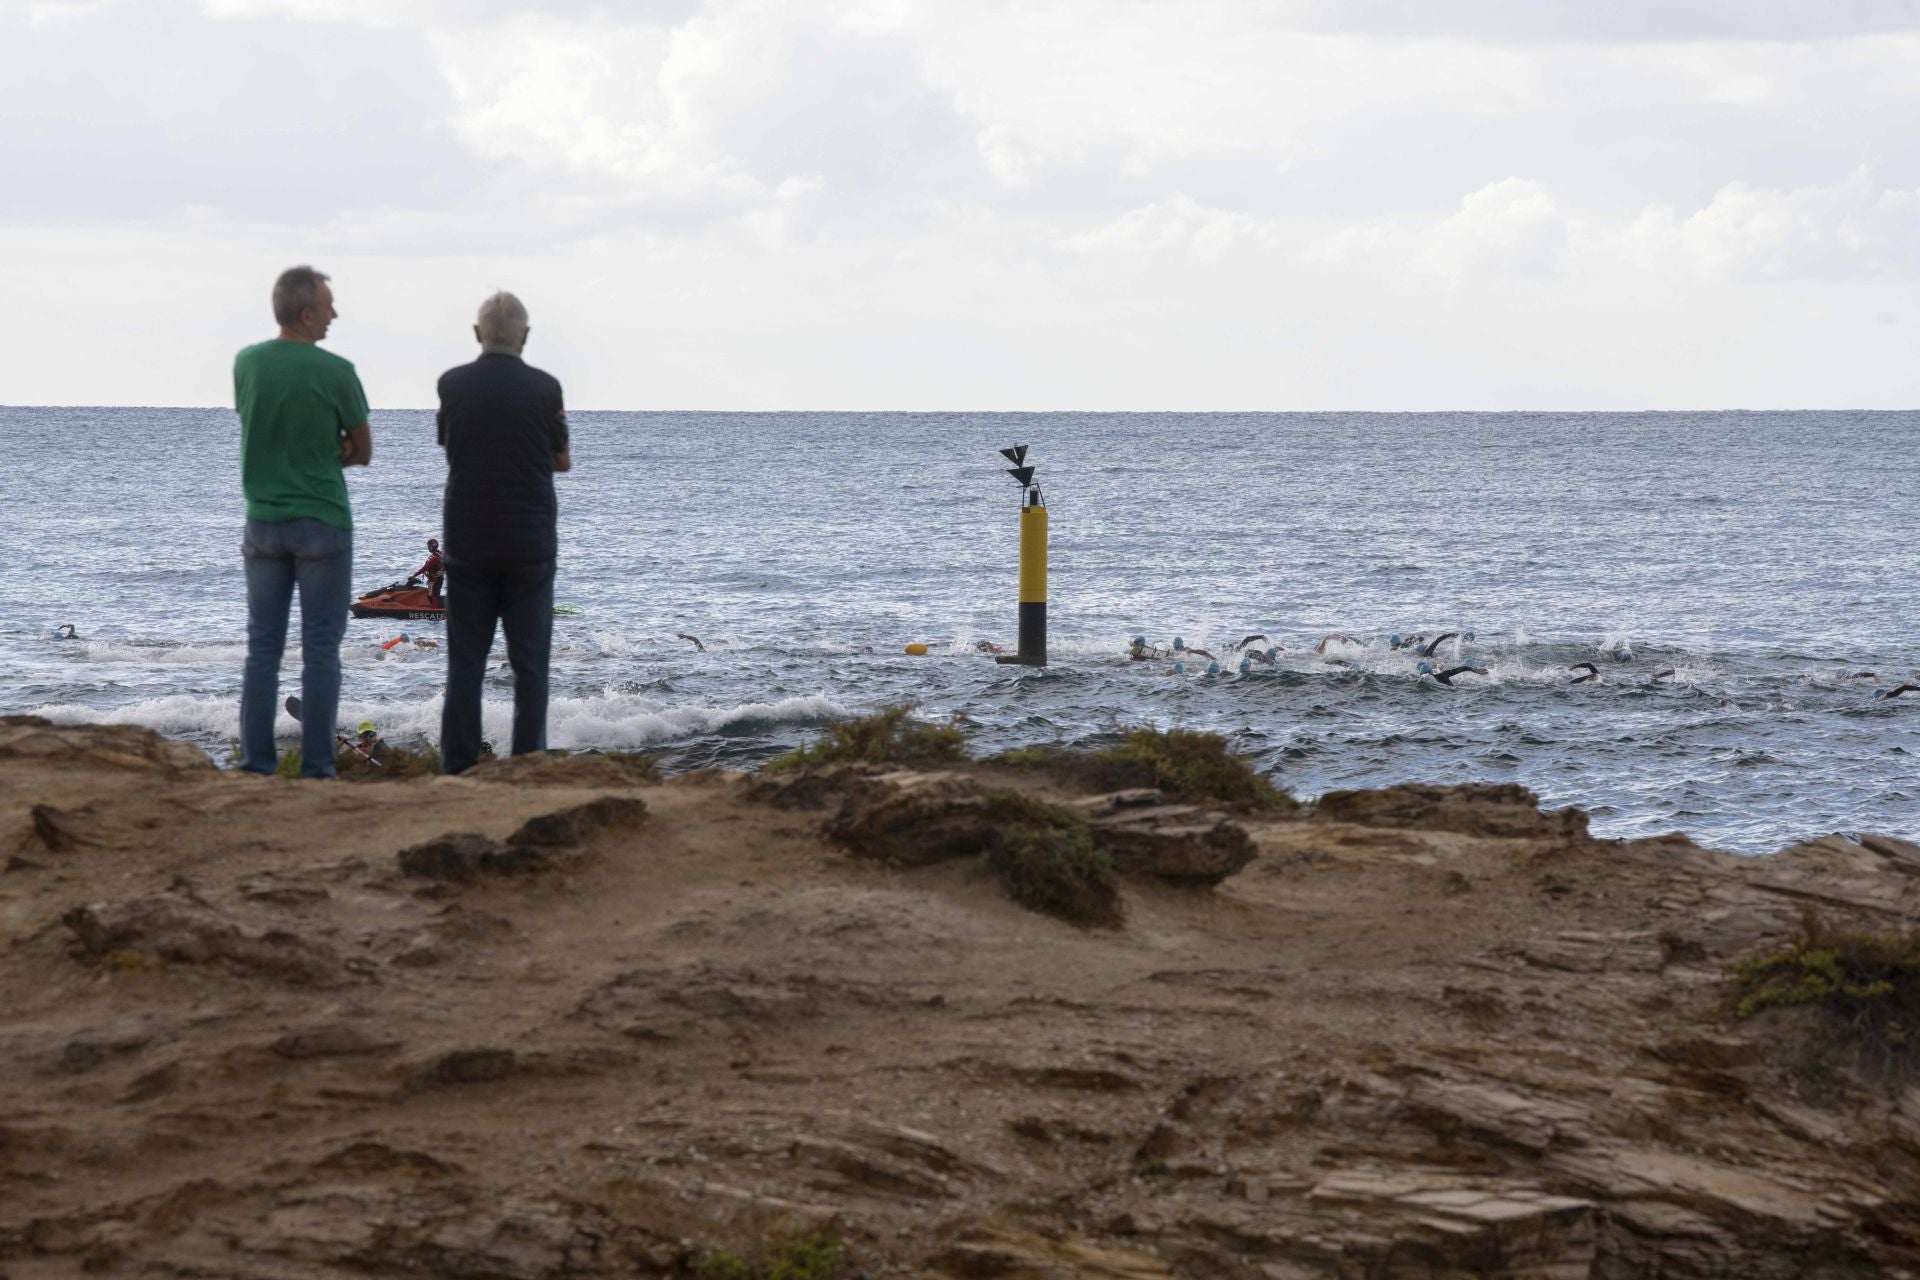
[[565, 1021]]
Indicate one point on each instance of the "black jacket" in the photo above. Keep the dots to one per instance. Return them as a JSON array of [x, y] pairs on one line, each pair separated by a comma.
[[501, 423]]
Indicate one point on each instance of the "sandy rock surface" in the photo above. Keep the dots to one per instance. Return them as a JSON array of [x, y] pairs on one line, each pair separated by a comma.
[[248, 1028]]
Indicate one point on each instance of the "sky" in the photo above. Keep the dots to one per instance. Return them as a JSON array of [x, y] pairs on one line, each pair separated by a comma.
[[978, 204]]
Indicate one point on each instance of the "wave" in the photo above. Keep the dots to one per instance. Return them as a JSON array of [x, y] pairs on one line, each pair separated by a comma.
[[618, 721]]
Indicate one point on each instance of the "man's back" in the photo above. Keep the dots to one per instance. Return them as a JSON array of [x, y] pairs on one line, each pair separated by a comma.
[[502, 422], [295, 401]]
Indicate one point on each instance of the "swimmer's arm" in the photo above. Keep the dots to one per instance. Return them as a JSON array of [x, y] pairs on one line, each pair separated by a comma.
[[356, 446], [563, 460]]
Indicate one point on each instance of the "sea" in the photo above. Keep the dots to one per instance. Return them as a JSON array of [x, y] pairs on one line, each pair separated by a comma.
[[1765, 560]]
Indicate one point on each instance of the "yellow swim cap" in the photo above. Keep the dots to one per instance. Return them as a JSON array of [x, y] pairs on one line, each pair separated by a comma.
[[366, 726]]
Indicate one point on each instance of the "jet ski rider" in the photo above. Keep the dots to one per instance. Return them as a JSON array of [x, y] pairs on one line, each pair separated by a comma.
[[434, 570]]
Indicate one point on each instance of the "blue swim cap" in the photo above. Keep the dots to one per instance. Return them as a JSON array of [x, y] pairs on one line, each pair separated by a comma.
[[1246, 665], [1426, 668], [1213, 668], [1880, 693], [1466, 635], [1178, 643], [1139, 639], [1272, 651], [1394, 640], [1179, 668]]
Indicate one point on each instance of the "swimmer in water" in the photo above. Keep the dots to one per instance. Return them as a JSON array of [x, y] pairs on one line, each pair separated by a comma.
[[1140, 651], [65, 631], [1466, 637], [1180, 647], [1334, 637], [1446, 677], [1896, 691], [988, 646], [1267, 657], [1593, 673], [1405, 642], [1243, 642], [1658, 676], [694, 640]]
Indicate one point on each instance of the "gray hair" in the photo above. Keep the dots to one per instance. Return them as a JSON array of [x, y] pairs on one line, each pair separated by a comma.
[[297, 289], [502, 321]]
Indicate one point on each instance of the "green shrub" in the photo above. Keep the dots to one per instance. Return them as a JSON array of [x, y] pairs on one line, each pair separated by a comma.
[[1184, 763], [886, 737], [1044, 858], [1865, 986], [814, 1257]]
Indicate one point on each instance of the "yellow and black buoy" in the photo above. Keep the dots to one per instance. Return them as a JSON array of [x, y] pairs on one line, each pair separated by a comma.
[[1033, 565]]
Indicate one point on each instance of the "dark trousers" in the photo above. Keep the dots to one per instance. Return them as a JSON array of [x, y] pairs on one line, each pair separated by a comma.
[[520, 598]]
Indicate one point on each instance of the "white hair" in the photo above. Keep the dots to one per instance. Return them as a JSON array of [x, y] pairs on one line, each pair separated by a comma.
[[502, 321]]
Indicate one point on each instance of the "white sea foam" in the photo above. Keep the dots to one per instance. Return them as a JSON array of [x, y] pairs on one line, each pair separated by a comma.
[[616, 721]]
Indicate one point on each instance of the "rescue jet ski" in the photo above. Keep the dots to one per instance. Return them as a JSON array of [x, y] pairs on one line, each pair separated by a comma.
[[406, 599]]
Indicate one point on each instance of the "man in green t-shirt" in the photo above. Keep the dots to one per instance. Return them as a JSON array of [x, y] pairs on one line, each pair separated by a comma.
[[303, 418]]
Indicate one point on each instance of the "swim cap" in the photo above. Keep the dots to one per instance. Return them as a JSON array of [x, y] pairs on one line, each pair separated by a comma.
[[1426, 668], [1246, 665], [1178, 643], [1213, 668], [1394, 640], [1139, 639], [1272, 651], [1466, 635], [1179, 668], [366, 726]]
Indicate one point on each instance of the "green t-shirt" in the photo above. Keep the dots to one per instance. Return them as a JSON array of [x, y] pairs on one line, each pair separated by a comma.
[[296, 404]]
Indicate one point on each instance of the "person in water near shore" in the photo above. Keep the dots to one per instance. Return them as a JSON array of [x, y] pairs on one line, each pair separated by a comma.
[[1466, 637], [1180, 648], [1593, 673], [1244, 641], [1335, 637], [1446, 677], [434, 571], [65, 631], [694, 640], [1138, 650], [1658, 676], [988, 646], [1896, 691], [303, 419], [1405, 642]]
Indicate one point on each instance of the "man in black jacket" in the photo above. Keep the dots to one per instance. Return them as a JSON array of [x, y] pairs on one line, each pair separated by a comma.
[[504, 428]]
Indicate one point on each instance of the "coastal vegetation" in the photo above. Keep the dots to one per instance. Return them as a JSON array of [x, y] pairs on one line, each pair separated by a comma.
[[1861, 986], [1044, 857], [1184, 763], [812, 1257], [886, 737]]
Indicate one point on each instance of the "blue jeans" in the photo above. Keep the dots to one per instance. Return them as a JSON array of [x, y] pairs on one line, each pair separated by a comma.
[[318, 558], [520, 599]]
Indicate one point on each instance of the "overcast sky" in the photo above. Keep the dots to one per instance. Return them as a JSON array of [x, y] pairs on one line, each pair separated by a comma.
[[895, 204]]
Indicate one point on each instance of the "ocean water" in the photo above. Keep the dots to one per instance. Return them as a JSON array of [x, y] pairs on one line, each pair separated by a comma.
[[1763, 557]]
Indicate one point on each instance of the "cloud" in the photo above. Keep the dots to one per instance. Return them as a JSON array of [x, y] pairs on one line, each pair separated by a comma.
[[1855, 229], [129, 113], [1176, 223], [1507, 227], [1625, 21]]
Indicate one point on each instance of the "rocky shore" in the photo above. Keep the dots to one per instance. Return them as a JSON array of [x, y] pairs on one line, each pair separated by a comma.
[[556, 1018]]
